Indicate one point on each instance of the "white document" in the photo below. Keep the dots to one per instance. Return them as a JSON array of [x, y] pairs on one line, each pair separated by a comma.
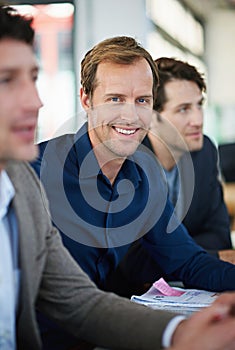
[[189, 300]]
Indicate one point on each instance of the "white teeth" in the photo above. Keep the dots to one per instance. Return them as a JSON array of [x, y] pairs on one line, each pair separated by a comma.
[[125, 131]]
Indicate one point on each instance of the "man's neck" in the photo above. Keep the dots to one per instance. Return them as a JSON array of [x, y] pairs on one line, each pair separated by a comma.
[[109, 163], [111, 169], [167, 155]]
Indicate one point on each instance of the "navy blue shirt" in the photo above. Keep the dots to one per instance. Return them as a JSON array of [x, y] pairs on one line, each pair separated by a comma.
[[99, 221]]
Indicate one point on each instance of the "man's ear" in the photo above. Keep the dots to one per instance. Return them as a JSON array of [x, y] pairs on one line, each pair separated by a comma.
[[85, 101]]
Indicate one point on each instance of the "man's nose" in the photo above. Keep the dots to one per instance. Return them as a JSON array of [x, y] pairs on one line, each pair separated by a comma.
[[30, 98], [129, 112], [197, 117]]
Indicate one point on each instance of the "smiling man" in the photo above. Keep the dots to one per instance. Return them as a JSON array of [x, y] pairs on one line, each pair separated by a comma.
[[107, 191], [123, 112]]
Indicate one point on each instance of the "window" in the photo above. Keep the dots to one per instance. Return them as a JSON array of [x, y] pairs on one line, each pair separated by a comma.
[[53, 25]]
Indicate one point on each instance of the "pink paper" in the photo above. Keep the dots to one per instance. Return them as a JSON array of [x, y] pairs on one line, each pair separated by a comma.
[[165, 289]]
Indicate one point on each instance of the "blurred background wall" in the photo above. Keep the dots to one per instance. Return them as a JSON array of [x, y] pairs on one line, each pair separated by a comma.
[[201, 32]]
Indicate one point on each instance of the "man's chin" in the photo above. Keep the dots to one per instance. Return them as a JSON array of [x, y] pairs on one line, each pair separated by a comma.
[[197, 146], [17, 153], [124, 149], [27, 154], [126, 152]]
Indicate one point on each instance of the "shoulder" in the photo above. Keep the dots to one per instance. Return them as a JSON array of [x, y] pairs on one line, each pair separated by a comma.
[[208, 151], [53, 150], [205, 161], [28, 188], [22, 174], [58, 143], [208, 143]]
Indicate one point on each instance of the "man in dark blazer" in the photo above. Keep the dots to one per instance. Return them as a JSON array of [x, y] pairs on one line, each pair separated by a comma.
[[48, 278], [188, 157]]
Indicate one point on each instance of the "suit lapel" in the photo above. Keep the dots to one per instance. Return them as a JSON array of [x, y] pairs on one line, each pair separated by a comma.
[[25, 234]]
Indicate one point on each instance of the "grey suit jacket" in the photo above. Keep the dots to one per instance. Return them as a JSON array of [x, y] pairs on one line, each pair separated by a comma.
[[52, 282]]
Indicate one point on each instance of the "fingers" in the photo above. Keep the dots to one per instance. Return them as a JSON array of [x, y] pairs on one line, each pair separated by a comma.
[[227, 255], [216, 312], [227, 299], [212, 328]]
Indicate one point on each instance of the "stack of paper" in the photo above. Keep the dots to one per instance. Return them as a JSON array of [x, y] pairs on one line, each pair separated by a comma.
[[186, 301]]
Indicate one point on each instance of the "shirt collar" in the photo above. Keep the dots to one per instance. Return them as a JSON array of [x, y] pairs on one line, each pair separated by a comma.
[[84, 150], [7, 193], [87, 161]]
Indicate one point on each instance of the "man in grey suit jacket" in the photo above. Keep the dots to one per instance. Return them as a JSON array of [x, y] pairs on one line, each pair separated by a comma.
[[48, 277]]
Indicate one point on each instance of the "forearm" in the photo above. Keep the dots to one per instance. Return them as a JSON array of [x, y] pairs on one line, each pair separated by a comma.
[[72, 300], [205, 272]]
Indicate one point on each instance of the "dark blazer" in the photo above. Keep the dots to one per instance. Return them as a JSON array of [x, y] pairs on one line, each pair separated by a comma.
[[207, 218], [54, 283]]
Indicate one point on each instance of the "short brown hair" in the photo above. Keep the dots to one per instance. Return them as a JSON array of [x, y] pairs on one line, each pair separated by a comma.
[[170, 69], [15, 26], [120, 50]]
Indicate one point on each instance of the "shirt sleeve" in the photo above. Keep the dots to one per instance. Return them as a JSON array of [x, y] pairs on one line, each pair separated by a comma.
[[170, 329]]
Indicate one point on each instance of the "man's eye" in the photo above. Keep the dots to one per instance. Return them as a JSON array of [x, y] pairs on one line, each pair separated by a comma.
[[201, 104], [144, 100], [115, 99], [5, 80], [183, 109], [35, 77]]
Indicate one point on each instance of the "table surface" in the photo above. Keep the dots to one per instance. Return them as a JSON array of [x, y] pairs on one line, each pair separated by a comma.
[[229, 198]]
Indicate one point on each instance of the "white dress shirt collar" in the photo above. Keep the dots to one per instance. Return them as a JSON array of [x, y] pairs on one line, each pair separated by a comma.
[[7, 192]]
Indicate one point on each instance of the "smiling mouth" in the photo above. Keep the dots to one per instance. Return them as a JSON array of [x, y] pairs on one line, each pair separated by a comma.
[[24, 129], [125, 131], [25, 132], [195, 134]]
